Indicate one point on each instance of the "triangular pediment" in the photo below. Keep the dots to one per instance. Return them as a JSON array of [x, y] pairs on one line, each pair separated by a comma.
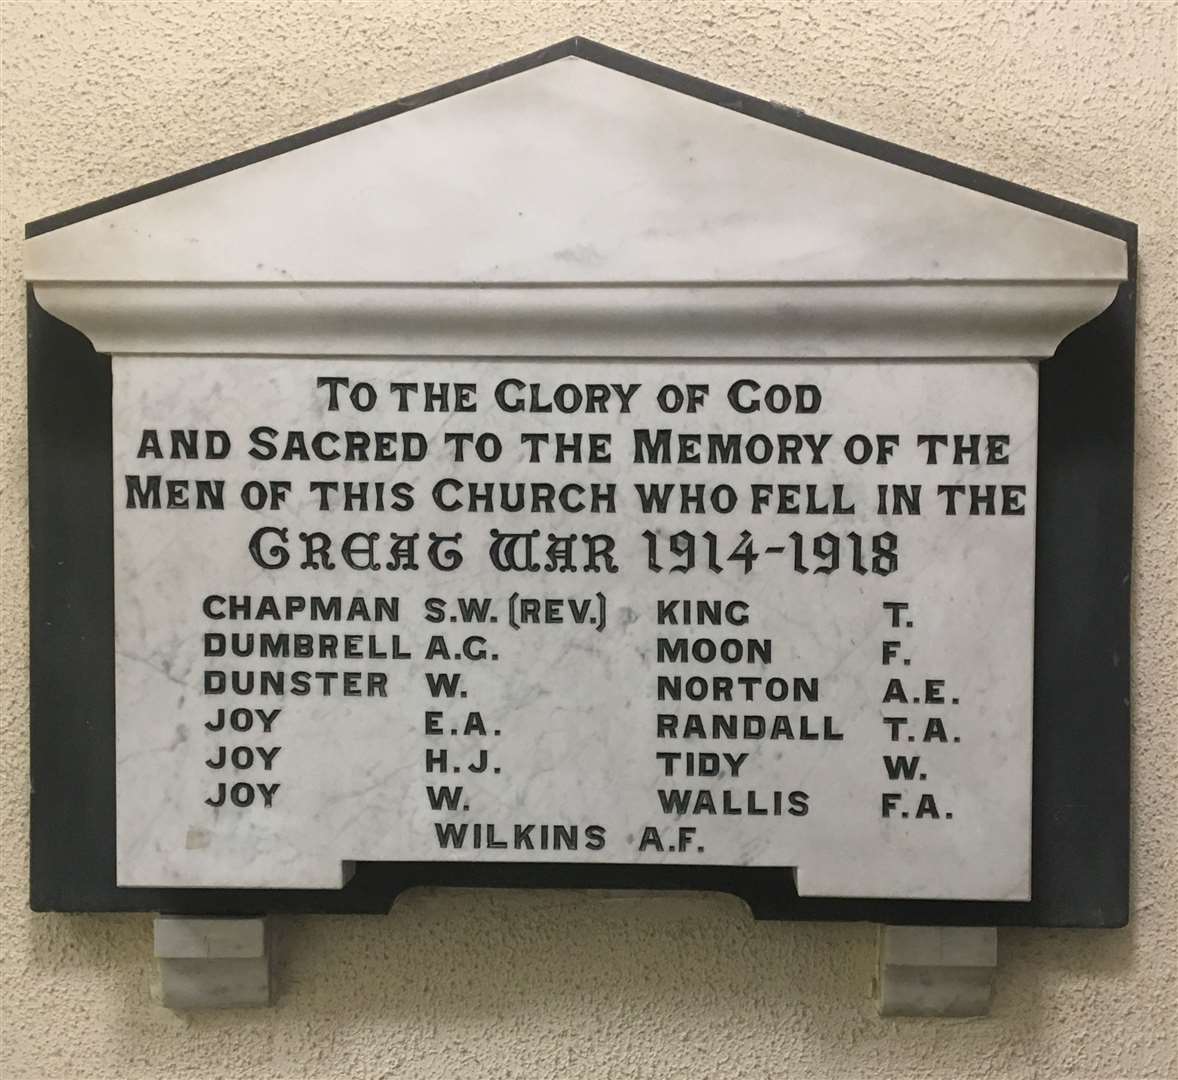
[[571, 171]]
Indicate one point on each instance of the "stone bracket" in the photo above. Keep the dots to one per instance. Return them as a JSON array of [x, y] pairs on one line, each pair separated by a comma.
[[212, 963], [222, 963], [936, 970]]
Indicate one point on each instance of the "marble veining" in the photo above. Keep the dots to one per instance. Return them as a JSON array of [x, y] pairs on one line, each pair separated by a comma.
[[555, 719]]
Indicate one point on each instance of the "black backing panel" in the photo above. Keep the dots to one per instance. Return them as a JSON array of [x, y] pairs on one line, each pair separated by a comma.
[[1080, 815]]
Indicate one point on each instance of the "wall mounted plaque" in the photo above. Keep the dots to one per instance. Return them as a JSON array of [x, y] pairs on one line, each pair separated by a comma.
[[582, 475]]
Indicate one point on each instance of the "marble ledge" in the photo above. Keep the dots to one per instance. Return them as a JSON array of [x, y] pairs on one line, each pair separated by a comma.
[[881, 320]]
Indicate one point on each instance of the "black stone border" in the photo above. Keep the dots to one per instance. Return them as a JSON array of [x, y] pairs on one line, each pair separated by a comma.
[[1080, 814]]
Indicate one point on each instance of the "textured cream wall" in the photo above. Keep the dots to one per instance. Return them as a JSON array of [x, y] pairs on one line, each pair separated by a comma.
[[1072, 98]]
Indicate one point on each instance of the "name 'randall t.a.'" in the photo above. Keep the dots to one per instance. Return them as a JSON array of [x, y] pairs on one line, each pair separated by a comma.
[[582, 476]]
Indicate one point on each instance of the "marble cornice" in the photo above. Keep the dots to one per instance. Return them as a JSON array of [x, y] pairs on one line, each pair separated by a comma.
[[887, 320]]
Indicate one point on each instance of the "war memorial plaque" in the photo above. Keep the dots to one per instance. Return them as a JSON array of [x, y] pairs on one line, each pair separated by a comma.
[[411, 610], [574, 481]]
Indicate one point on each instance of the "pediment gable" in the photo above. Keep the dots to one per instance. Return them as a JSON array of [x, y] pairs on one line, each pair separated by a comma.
[[571, 171]]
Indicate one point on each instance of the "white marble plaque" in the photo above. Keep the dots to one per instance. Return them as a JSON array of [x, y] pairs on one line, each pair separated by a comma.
[[730, 613]]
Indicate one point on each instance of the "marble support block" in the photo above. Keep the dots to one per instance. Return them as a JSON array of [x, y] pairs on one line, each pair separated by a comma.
[[214, 963], [936, 970]]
